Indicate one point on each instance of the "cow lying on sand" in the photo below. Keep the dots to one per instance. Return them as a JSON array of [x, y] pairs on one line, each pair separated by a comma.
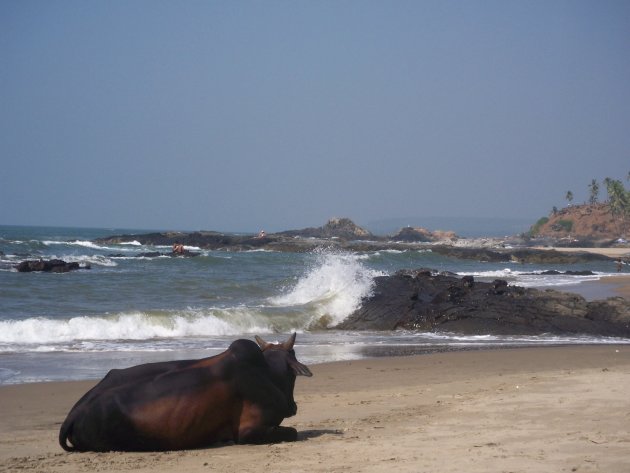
[[241, 395]]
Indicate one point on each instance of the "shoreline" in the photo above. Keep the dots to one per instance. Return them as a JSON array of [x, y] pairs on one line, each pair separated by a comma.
[[617, 285], [614, 252], [525, 409]]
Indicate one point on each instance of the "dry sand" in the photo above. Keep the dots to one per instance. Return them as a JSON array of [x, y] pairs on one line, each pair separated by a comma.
[[518, 410]]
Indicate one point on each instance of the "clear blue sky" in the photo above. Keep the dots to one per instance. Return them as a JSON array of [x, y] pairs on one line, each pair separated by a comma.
[[241, 115]]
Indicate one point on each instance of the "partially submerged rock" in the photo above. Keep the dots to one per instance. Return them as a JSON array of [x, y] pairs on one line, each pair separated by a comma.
[[423, 300], [49, 266]]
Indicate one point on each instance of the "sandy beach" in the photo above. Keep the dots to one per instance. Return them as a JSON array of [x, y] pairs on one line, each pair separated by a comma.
[[610, 286], [610, 252], [619, 285], [518, 410]]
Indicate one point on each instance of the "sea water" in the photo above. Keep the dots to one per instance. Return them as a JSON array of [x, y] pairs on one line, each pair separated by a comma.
[[129, 309]]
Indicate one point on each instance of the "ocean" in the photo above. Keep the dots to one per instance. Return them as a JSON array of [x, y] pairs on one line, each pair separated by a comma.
[[127, 309]]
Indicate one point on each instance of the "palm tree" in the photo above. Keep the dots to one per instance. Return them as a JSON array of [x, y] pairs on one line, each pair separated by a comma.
[[619, 201], [594, 187], [616, 195]]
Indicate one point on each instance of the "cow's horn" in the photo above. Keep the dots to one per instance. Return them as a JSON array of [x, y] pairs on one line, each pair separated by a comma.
[[261, 343], [288, 345]]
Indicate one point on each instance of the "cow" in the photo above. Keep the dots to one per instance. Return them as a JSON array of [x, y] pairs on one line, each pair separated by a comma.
[[238, 396]]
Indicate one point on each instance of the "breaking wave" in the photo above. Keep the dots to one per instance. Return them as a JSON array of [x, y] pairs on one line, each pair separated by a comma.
[[332, 289], [127, 326], [328, 292]]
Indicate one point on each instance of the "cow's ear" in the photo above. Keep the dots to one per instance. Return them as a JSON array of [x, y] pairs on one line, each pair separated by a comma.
[[299, 369], [261, 343], [288, 345]]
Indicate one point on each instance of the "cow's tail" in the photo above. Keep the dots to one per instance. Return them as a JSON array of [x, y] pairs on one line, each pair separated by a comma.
[[64, 435]]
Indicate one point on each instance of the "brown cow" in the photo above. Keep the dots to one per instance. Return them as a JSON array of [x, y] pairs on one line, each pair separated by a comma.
[[241, 395]]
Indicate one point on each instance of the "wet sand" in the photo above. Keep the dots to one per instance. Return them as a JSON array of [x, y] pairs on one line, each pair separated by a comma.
[[603, 288], [610, 252], [619, 285], [610, 286], [547, 409]]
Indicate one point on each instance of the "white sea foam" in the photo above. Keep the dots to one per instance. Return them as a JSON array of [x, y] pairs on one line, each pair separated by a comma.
[[96, 260], [497, 273], [542, 339], [533, 278], [83, 243], [332, 289], [44, 332]]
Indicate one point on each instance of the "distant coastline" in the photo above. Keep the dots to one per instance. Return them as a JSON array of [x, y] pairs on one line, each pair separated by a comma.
[[466, 227], [344, 234]]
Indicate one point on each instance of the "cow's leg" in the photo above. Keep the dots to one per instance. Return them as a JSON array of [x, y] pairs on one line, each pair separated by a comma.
[[265, 434]]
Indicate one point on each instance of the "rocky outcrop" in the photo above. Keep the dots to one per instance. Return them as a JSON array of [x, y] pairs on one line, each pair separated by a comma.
[[288, 242], [419, 234], [425, 301], [582, 225], [156, 254], [336, 233], [518, 255], [48, 266], [205, 240], [199, 239], [342, 228], [343, 234]]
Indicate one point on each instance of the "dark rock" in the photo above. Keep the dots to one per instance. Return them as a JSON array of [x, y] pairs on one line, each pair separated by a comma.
[[156, 254], [343, 234], [499, 286], [149, 254], [523, 255], [183, 254], [419, 234], [342, 228], [468, 281], [427, 301], [412, 234], [49, 266], [207, 240]]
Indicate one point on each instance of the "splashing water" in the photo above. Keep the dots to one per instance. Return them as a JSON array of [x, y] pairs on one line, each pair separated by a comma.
[[332, 288]]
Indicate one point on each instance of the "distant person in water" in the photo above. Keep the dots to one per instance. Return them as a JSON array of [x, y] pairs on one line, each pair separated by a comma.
[[178, 248], [619, 263]]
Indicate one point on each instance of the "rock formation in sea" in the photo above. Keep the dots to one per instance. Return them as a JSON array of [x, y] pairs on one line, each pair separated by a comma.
[[426, 301], [48, 266], [342, 228], [343, 234], [419, 234]]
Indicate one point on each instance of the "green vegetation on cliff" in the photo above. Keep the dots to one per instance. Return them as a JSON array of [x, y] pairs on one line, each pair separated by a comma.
[[594, 221]]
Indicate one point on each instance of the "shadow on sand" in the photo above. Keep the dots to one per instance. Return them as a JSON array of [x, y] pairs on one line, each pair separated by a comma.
[[311, 434]]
